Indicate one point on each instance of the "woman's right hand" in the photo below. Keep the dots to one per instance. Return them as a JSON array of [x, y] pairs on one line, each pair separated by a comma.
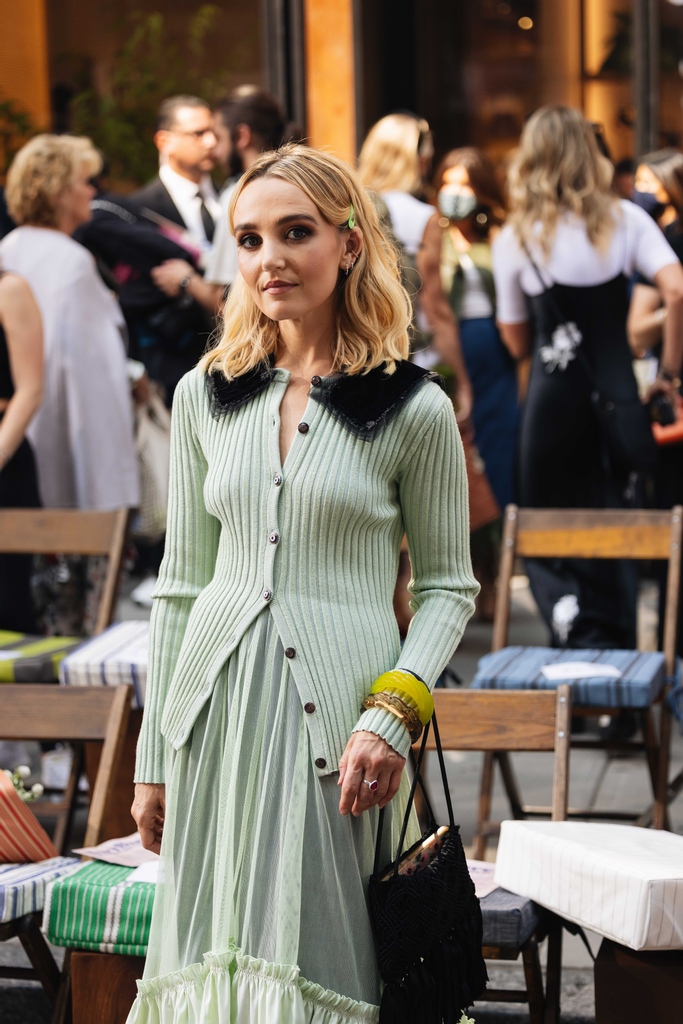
[[149, 810]]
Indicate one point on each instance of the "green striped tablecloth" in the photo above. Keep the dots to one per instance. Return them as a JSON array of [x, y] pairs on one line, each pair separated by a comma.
[[97, 909]]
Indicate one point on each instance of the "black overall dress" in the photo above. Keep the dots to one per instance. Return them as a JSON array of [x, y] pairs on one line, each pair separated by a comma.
[[563, 458]]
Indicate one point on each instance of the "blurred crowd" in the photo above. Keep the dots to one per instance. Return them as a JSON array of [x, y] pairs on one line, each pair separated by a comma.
[[547, 292]]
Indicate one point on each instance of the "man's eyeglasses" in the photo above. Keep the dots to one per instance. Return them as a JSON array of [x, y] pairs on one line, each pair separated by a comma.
[[198, 134]]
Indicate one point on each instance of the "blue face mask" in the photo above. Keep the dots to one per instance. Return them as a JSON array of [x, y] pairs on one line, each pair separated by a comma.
[[648, 201], [457, 205]]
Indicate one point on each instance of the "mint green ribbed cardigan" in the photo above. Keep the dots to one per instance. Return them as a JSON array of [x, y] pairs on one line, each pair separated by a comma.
[[316, 542]]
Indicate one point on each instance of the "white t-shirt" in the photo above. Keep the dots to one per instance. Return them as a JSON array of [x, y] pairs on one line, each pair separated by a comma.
[[221, 264], [409, 217], [637, 244], [476, 304]]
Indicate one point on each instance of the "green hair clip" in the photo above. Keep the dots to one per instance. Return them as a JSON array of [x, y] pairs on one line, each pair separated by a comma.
[[351, 223]]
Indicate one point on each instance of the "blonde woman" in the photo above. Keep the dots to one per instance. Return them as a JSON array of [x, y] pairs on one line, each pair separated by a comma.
[[303, 446], [568, 252], [83, 432], [394, 163]]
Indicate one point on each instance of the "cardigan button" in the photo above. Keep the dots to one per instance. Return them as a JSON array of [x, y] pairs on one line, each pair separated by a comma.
[[303, 428], [277, 480], [320, 762], [290, 652], [309, 709], [316, 381], [274, 537], [267, 595]]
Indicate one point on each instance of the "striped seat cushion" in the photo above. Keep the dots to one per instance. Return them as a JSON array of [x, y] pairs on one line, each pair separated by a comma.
[[509, 920], [97, 909], [22, 886], [519, 668], [33, 659], [115, 657]]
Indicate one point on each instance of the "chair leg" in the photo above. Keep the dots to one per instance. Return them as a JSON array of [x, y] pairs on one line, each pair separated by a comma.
[[63, 825], [484, 809], [62, 1013], [534, 981], [38, 952], [553, 981], [661, 814], [511, 787]]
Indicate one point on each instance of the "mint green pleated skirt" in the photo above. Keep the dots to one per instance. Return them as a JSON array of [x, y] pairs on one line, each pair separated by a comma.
[[260, 915]]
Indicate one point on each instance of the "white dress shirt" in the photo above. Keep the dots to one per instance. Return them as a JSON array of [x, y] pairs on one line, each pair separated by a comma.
[[221, 265], [187, 196]]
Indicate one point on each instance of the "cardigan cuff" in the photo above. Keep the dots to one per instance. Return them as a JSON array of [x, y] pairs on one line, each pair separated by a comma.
[[388, 726]]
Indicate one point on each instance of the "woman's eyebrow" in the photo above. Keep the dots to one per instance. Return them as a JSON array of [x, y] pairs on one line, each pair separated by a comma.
[[279, 223]]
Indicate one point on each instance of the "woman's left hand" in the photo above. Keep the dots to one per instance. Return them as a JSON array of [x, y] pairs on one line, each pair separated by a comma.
[[368, 757]]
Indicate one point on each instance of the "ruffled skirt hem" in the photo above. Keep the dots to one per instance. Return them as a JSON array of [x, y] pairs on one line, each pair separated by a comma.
[[235, 988]]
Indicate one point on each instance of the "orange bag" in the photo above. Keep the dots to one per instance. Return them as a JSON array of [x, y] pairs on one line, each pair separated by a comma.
[[22, 837], [673, 434], [484, 508]]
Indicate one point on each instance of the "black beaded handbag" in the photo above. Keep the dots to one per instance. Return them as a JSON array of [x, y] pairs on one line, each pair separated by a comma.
[[427, 920]]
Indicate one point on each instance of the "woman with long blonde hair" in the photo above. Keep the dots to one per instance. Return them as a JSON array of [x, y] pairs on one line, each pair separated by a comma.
[[394, 163], [567, 254], [304, 446]]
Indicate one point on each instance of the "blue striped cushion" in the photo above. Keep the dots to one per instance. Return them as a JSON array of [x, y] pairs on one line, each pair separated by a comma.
[[22, 886], [519, 668], [509, 920]]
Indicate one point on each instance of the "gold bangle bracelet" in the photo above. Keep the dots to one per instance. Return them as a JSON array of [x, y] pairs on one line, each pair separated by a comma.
[[396, 706]]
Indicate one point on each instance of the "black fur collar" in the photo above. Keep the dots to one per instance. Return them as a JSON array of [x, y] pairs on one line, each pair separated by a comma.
[[363, 403]]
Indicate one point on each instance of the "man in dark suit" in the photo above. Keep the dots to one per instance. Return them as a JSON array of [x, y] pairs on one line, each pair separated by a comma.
[[182, 203]]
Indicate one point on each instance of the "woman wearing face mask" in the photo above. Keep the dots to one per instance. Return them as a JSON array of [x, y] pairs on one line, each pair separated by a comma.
[[659, 191], [472, 208]]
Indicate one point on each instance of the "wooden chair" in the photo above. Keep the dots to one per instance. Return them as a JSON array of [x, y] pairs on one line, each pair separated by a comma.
[[50, 713], [592, 533], [69, 532], [522, 720], [28, 531]]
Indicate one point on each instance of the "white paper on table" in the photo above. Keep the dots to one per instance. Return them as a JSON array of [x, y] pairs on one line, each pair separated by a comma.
[[147, 872], [481, 873], [127, 852], [579, 670]]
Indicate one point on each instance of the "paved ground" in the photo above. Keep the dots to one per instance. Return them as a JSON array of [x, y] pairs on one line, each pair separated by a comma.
[[595, 781]]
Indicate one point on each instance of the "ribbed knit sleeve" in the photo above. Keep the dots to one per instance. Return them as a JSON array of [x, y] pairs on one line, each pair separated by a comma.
[[189, 562], [434, 502]]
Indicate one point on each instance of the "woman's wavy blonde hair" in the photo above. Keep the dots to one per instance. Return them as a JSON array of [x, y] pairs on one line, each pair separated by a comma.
[[558, 169], [42, 171], [390, 157], [373, 308]]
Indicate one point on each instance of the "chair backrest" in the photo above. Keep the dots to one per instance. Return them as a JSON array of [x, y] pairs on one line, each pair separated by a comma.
[[51, 713], [70, 532], [509, 720], [591, 533]]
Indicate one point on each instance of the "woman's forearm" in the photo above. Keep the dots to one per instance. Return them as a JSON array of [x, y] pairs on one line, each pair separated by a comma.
[[21, 409], [670, 283]]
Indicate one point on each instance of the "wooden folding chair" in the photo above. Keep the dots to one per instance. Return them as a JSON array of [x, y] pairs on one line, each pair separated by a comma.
[[28, 531], [69, 532], [516, 720], [51, 713], [592, 533]]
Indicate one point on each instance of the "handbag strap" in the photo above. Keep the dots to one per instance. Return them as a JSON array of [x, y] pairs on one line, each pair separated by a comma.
[[417, 780]]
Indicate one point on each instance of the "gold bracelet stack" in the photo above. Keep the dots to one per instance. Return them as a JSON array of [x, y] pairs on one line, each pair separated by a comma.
[[396, 706]]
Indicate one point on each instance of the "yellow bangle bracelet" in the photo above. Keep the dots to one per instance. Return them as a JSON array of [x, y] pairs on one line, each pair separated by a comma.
[[406, 682]]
